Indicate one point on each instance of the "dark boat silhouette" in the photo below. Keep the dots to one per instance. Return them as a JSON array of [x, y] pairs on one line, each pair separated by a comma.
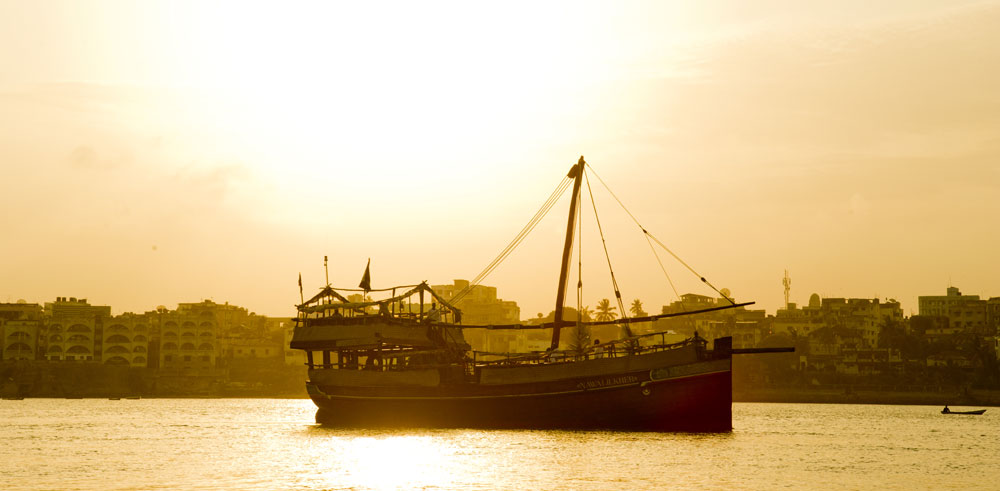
[[946, 410], [386, 363]]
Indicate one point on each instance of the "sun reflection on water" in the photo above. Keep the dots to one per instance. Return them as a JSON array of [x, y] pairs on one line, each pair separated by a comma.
[[404, 461]]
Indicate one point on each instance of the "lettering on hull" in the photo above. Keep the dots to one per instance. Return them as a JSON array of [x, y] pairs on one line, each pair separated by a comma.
[[688, 370], [607, 382]]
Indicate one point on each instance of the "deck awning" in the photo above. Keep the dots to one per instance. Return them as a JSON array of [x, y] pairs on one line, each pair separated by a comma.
[[326, 337]]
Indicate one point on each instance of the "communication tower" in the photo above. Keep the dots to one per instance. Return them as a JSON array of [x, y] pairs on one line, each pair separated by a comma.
[[788, 286]]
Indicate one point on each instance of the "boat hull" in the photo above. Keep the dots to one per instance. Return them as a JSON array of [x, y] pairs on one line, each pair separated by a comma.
[[695, 397]]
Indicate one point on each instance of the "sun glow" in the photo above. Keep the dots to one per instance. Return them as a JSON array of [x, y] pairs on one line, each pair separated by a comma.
[[314, 96], [394, 462], [367, 83]]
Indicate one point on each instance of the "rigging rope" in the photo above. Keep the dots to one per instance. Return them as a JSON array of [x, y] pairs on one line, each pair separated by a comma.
[[614, 282], [651, 236], [579, 273], [551, 201], [658, 261]]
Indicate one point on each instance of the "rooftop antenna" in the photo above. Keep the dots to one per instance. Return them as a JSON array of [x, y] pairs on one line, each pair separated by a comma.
[[788, 287], [326, 271]]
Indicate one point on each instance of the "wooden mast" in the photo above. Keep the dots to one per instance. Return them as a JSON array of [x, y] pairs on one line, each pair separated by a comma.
[[577, 174]]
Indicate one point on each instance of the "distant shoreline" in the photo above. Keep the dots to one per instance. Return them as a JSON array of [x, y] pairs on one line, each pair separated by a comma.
[[990, 398], [985, 398]]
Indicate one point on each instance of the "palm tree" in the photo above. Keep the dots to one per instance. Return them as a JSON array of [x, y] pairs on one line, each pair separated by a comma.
[[606, 311], [636, 309], [579, 339]]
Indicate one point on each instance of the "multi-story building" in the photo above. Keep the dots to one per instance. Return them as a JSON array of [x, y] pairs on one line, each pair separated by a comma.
[[228, 317], [860, 314], [188, 340], [967, 313], [19, 310], [480, 304], [20, 339], [799, 321], [931, 327], [863, 317], [126, 340], [891, 312], [993, 317], [243, 349], [75, 330], [20, 326], [745, 326]]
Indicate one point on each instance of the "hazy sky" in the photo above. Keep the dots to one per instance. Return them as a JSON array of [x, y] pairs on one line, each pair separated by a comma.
[[163, 152]]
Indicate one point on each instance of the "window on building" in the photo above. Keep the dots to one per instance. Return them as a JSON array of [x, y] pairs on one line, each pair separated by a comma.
[[187, 357]]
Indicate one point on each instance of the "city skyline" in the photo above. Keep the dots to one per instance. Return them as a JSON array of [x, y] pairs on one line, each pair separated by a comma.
[[526, 315], [159, 158]]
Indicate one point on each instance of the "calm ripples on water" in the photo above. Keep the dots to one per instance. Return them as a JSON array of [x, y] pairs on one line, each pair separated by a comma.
[[238, 444]]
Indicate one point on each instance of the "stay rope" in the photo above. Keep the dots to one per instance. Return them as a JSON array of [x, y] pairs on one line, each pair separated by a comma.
[[614, 282], [651, 236], [516, 241]]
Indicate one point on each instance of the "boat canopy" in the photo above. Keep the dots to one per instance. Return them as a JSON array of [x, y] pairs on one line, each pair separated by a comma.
[[359, 336], [316, 304]]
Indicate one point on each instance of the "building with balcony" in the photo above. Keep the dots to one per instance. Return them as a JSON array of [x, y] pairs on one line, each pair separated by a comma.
[[75, 330], [126, 340], [20, 328], [188, 341]]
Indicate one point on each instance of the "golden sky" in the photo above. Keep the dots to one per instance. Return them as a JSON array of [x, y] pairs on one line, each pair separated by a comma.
[[163, 152]]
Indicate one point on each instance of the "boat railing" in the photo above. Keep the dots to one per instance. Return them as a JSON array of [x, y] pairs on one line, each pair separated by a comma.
[[614, 349]]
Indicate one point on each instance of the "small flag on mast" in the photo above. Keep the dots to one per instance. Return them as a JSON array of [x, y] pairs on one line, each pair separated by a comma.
[[301, 297], [366, 280]]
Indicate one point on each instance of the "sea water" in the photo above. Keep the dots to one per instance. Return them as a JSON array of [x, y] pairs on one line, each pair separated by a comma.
[[239, 444]]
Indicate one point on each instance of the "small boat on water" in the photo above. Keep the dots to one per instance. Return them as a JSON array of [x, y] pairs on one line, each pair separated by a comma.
[[399, 362], [946, 410]]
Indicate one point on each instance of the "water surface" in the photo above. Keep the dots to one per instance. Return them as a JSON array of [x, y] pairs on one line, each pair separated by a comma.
[[237, 444]]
